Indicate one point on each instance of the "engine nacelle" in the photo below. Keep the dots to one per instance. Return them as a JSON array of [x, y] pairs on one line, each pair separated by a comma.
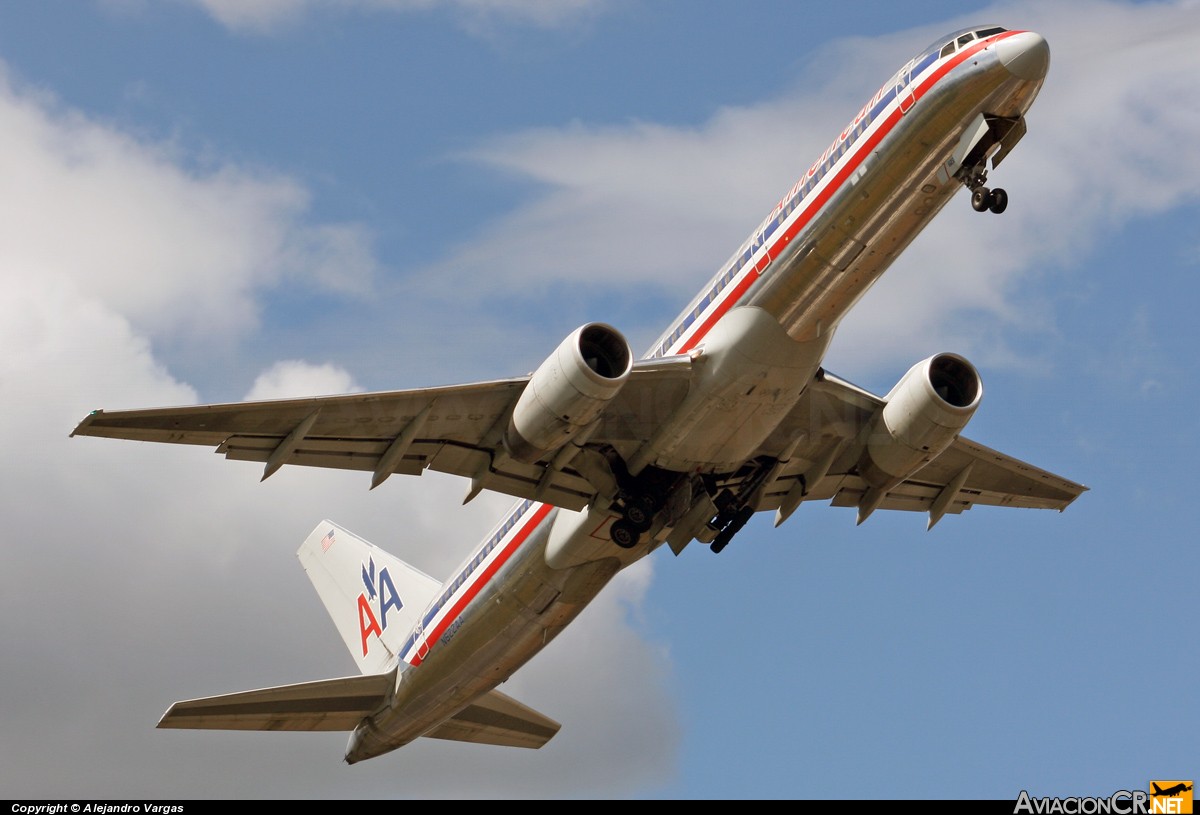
[[924, 413], [568, 391]]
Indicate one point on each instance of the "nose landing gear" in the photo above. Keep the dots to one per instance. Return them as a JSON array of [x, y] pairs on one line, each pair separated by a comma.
[[983, 199]]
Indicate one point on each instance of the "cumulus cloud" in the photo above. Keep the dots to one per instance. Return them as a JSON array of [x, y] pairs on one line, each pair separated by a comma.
[[295, 377], [179, 251], [141, 574]]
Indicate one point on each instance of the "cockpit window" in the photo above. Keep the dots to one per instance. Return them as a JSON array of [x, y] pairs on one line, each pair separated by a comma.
[[957, 39]]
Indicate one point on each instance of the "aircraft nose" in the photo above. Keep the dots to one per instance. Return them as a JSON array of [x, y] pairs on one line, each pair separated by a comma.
[[1025, 55]]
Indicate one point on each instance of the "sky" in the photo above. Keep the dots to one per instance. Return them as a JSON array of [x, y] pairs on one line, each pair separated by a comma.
[[216, 200]]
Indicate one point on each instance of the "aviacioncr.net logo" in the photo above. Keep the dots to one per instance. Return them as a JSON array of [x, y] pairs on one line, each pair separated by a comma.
[[1121, 802], [1163, 798]]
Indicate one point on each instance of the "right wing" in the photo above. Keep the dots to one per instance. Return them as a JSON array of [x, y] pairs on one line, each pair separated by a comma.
[[823, 465]]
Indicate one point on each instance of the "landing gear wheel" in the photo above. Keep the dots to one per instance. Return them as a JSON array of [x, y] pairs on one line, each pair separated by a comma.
[[999, 201], [981, 199], [639, 512], [734, 526], [623, 534]]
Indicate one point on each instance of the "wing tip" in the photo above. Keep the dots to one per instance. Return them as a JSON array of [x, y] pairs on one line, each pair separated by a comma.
[[81, 428], [1080, 489]]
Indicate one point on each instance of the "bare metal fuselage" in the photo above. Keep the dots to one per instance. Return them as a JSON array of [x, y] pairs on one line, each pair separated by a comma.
[[762, 324]]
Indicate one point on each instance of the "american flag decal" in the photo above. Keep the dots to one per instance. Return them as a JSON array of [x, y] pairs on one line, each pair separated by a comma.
[[327, 541]]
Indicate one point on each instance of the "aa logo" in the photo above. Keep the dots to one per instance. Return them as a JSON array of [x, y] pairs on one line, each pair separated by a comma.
[[1173, 797], [380, 590]]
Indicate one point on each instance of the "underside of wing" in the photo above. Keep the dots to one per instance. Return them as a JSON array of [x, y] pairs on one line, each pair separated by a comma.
[[457, 430], [821, 450], [500, 720], [352, 432], [329, 704], [832, 422]]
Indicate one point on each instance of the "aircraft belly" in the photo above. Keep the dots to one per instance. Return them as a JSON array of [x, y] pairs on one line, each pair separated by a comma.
[[728, 433], [750, 374]]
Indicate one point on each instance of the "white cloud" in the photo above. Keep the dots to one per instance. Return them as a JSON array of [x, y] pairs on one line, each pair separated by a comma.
[[178, 251], [295, 377]]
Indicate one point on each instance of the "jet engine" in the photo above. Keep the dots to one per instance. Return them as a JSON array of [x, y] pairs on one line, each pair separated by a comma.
[[924, 413], [568, 391]]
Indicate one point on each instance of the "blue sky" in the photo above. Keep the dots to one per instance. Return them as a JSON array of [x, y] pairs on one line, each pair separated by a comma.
[[211, 201]]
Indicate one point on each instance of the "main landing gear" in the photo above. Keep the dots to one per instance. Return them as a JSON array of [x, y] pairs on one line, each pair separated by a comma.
[[637, 517], [657, 492], [640, 501]]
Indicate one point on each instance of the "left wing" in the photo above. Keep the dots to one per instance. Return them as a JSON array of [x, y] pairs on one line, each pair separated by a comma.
[[456, 430]]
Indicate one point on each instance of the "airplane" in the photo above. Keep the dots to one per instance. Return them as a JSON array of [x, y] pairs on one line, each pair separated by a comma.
[[1170, 791], [730, 412]]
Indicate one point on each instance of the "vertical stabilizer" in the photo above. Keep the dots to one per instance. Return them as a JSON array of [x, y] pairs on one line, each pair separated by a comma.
[[374, 598]]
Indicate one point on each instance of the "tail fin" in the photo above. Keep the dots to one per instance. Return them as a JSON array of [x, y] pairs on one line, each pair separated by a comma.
[[374, 598]]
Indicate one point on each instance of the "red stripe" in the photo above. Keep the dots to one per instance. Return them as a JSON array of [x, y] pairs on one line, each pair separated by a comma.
[[819, 202], [483, 577]]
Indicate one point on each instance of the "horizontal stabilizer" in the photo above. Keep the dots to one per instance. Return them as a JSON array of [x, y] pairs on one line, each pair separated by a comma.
[[330, 704], [500, 720]]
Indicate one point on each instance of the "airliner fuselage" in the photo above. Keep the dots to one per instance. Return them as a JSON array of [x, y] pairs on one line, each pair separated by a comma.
[[757, 333]]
